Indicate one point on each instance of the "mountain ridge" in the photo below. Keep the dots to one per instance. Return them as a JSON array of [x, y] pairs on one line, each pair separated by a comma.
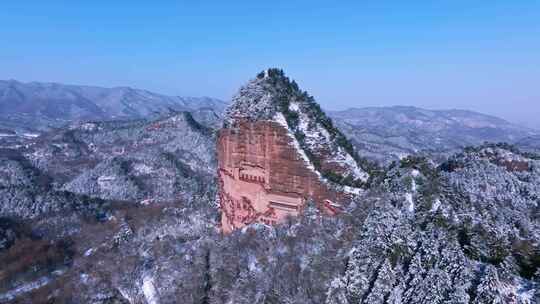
[[441, 111], [389, 133], [42, 105], [380, 134]]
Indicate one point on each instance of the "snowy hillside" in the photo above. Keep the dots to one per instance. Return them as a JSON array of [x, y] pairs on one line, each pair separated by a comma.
[[389, 133]]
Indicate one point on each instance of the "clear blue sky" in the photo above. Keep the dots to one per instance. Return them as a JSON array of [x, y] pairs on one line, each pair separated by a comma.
[[478, 55]]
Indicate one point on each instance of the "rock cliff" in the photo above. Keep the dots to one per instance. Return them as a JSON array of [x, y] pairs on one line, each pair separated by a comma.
[[276, 151]]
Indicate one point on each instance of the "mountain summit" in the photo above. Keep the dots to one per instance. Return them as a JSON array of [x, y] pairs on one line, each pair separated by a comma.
[[272, 96], [277, 150]]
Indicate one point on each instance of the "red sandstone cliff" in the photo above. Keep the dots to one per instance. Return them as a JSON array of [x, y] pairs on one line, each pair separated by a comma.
[[276, 152], [263, 178]]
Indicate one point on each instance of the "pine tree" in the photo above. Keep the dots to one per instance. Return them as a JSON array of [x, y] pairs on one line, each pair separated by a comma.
[[488, 291], [383, 285], [356, 276], [336, 293]]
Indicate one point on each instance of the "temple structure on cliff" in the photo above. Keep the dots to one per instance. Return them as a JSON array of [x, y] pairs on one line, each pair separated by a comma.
[[263, 177]]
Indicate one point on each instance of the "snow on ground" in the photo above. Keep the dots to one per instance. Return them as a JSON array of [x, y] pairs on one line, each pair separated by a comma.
[[126, 295], [84, 278], [314, 136], [352, 190], [347, 161], [143, 168], [12, 294], [89, 252], [294, 107], [30, 135], [253, 264], [279, 118], [149, 290], [400, 155], [409, 199], [436, 205], [317, 136]]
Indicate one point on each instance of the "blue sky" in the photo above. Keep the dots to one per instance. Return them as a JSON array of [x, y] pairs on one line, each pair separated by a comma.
[[478, 55]]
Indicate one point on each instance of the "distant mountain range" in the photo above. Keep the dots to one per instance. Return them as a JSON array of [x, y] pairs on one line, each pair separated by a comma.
[[381, 133], [40, 106], [392, 132]]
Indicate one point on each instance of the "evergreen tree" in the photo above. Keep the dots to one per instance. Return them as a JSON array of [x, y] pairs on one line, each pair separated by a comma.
[[488, 291]]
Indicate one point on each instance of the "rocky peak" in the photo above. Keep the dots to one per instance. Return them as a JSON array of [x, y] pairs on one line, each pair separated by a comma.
[[272, 96], [277, 151], [261, 98]]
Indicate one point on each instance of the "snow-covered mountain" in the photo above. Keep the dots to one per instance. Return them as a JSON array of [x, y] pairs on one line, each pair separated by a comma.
[[272, 96], [39, 106], [388, 133], [278, 151], [464, 232], [133, 160]]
